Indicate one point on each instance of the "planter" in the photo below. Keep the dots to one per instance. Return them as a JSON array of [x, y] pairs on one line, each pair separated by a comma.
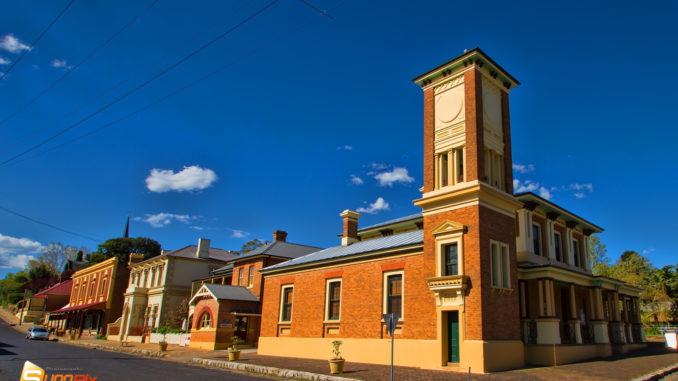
[[337, 366], [162, 346], [233, 355], [71, 336]]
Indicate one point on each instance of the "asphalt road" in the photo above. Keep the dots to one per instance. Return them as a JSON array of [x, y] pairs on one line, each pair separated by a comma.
[[52, 356]]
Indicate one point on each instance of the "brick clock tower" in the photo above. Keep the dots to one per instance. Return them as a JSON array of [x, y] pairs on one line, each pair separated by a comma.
[[469, 212]]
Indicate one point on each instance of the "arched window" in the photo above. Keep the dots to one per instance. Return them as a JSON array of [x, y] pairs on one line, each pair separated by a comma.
[[204, 322]]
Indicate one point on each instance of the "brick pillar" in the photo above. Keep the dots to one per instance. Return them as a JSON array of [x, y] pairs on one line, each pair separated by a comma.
[[506, 127], [350, 232], [475, 144], [429, 126]]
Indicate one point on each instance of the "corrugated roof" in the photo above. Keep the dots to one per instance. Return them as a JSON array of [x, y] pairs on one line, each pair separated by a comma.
[[190, 252], [388, 242], [281, 249], [223, 269], [63, 288], [224, 292], [394, 221]]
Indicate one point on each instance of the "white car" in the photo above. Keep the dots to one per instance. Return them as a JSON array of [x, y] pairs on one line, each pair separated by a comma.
[[40, 333]]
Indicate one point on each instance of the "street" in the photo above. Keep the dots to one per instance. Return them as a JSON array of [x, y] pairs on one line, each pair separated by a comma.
[[53, 356]]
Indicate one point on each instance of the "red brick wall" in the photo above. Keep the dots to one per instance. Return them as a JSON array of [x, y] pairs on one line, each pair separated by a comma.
[[361, 304], [429, 126], [475, 144]]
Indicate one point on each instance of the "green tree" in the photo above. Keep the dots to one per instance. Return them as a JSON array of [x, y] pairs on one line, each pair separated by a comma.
[[10, 288], [122, 247], [598, 256], [250, 245]]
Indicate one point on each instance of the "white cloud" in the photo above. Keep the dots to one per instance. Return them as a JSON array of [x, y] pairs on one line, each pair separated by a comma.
[[13, 44], [159, 220], [355, 180], [648, 251], [345, 147], [397, 175], [16, 252], [375, 207], [239, 233], [4, 61], [197, 228], [377, 167], [530, 186], [522, 168], [59, 64], [190, 178]]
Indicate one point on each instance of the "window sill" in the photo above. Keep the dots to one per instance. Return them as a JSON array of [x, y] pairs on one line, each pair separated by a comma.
[[502, 290], [330, 322]]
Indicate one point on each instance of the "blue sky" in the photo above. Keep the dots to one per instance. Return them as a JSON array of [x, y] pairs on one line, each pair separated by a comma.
[[306, 105]]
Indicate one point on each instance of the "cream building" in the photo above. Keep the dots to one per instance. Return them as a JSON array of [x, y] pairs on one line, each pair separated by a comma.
[[159, 284]]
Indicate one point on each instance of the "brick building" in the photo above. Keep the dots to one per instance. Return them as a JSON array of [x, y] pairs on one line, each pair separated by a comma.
[[481, 278], [228, 302], [95, 298]]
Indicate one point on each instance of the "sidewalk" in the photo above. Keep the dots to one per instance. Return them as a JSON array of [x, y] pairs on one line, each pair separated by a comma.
[[621, 367]]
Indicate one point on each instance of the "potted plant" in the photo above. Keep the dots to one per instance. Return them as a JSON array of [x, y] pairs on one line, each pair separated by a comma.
[[162, 344], [71, 334], [233, 351], [337, 363]]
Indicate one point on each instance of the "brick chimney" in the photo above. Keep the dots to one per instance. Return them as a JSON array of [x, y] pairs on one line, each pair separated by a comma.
[[135, 258], [203, 248], [350, 234], [280, 235]]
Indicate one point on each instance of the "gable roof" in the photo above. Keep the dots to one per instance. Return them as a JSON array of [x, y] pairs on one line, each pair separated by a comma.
[[224, 292], [63, 288], [190, 252], [411, 217], [280, 249], [372, 245]]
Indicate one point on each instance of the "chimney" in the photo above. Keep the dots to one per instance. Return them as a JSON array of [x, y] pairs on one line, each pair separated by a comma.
[[203, 248], [350, 234], [279, 235]]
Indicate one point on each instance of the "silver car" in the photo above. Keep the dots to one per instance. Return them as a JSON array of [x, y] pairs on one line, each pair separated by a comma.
[[40, 333]]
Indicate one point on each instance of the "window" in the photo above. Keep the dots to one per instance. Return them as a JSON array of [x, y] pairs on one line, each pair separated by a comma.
[[103, 287], [536, 238], [575, 251], [333, 299], [205, 320], [394, 293], [451, 259], [501, 265], [559, 254], [152, 283], [250, 277], [154, 316], [286, 304], [75, 292], [450, 167], [241, 276], [82, 290]]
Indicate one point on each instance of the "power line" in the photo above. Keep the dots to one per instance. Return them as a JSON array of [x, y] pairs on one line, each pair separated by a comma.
[[49, 225], [144, 84], [164, 98], [36, 40], [72, 69], [322, 12], [109, 90]]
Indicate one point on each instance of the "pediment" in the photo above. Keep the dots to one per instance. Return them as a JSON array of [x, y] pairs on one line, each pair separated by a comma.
[[448, 227]]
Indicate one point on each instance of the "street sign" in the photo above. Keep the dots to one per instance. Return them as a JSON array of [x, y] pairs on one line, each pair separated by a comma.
[[391, 320]]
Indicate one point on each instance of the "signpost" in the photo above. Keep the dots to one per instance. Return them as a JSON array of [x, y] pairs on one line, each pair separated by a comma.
[[391, 320]]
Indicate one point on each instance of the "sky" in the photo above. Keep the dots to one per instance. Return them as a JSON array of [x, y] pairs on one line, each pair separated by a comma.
[[307, 114]]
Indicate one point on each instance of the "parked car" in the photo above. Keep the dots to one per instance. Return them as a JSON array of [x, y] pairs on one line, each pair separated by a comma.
[[40, 333]]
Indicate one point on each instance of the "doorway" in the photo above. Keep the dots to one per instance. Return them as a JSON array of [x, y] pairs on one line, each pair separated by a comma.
[[453, 337], [241, 328]]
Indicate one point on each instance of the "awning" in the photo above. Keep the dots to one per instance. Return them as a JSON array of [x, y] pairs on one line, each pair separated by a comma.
[[90, 306]]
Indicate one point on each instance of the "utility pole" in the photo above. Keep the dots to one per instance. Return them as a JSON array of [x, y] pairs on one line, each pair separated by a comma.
[[21, 316]]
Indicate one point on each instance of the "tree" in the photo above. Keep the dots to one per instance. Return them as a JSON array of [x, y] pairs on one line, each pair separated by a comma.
[[10, 288], [180, 314], [598, 256], [250, 245], [122, 247], [56, 254]]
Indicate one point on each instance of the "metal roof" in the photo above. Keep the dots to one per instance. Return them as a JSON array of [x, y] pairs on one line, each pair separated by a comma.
[[388, 242], [280, 249], [224, 292], [214, 254], [394, 221], [549, 206], [223, 269]]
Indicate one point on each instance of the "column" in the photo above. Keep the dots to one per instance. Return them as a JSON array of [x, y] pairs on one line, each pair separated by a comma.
[[617, 331], [524, 243], [599, 326], [540, 287], [550, 231], [523, 304], [436, 181], [451, 165], [585, 253], [567, 245], [548, 327], [575, 324]]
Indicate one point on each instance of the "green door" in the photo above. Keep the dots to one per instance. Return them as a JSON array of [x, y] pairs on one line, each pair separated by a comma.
[[453, 336]]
